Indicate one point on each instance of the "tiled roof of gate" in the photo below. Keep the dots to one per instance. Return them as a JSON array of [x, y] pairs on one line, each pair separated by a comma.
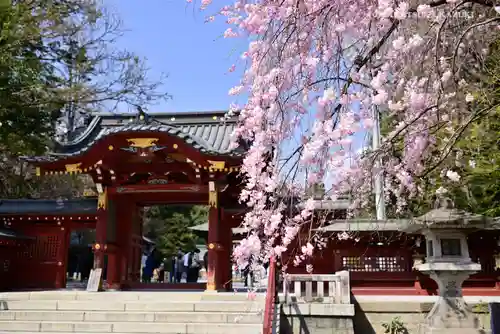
[[208, 132], [48, 207]]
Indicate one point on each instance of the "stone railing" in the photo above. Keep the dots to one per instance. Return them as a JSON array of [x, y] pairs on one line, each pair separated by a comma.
[[313, 288], [317, 304]]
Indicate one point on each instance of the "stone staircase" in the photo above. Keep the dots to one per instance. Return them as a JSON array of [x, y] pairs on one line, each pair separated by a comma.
[[81, 312]]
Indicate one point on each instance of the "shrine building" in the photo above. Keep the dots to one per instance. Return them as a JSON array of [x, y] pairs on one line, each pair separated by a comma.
[[381, 257], [135, 161]]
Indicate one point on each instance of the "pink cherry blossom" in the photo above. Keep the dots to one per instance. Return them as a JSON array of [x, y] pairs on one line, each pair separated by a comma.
[[230, 33], [315, 69], [308, 249]]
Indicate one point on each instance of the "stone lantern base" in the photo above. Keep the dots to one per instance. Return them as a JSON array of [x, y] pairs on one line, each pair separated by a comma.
[[450, 314]]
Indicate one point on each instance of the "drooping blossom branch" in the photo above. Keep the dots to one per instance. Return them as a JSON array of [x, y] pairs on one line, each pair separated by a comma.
[[315, 69]]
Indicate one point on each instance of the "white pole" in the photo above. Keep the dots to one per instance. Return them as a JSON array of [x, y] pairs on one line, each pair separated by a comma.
[[379, 179]]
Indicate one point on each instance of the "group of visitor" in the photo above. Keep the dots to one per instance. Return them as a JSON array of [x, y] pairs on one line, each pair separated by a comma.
[[186, 265], [248, 275], [183, 266], [150, 263]]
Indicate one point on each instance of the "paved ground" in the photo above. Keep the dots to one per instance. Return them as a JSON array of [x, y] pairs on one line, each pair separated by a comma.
[[237, 286]]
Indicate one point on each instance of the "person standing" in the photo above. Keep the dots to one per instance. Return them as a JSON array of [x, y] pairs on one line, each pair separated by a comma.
[[205, 261], [195, 266], [248, 274], [151, 264], [172, 270], [266, 269], [188, 257], [179, 265], [144, 259], [161, 273]]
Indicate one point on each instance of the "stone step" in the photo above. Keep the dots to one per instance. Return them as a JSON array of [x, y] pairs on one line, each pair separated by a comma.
[[152, 306], [129, 296], [28, 327], [98, 316]]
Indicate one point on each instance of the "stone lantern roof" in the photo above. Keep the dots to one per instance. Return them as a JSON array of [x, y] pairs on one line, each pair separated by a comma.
[[446, 216]]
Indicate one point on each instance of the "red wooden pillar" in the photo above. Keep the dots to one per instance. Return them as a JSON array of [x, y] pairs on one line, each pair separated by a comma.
[[120, 257], [62, 257], [112, 278], [113, 241], [135, 251], [138, 238], [215, 278], [226, 240], [100, 231], [125, 233]]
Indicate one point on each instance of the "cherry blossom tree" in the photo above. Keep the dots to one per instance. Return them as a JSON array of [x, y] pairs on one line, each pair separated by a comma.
[[316, 73]]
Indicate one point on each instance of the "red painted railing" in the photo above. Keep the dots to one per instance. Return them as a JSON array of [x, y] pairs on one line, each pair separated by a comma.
[[270, 298]]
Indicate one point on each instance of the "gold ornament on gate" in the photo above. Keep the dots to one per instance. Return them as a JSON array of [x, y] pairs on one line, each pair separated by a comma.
[[212, 194], [73, 168], [211, 246], [101, 200], [212, 199], [211, 281], [216, 165], [142, 142]]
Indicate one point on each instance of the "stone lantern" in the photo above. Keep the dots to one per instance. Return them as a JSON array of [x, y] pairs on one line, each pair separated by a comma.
[[448, 263]]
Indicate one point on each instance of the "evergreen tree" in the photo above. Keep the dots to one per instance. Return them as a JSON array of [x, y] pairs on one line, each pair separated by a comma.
[[58, 62], [169, 226]]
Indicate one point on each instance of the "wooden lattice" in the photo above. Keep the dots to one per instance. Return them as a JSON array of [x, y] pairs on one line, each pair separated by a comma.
[[374, 263]]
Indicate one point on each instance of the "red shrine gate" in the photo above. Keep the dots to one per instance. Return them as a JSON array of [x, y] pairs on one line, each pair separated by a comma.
[[182, 158]]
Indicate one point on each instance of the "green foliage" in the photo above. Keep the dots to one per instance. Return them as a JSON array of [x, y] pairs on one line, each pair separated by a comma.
[[169, 226], [396, 326], [482, 145], [59, 58], [25, 123], [475, 156], [69, 48]]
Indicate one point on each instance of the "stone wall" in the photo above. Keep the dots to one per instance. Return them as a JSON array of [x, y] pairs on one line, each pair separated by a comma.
[[316, 325], [316, 318], [369, 316]]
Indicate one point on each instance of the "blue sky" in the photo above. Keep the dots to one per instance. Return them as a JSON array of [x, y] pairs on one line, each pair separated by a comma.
[[173, 37]]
